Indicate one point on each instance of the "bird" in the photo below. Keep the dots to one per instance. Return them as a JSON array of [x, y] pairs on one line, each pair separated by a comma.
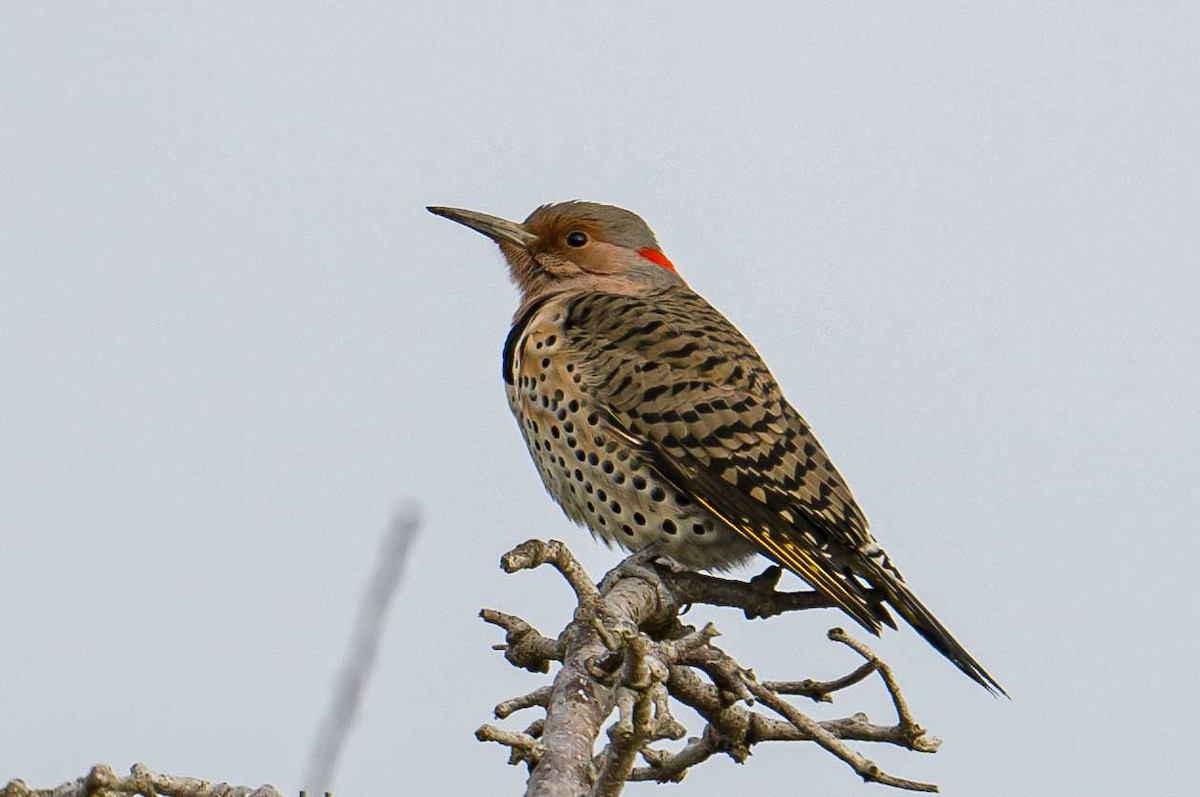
[[655, 423]]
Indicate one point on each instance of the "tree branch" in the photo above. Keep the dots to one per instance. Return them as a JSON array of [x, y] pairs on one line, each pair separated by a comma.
[[627, 653], [363, 650], [102, 781]]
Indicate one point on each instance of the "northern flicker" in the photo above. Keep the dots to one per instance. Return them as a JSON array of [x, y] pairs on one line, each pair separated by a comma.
[[652, 420]]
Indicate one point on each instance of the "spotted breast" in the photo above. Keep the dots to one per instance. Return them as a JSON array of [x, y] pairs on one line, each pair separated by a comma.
[[600, 478]]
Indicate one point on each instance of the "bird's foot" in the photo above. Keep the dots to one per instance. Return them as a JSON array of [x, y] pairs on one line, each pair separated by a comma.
[[643, 565]]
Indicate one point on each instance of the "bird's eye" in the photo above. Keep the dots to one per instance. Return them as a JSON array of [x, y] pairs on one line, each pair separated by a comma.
[[577, 239]]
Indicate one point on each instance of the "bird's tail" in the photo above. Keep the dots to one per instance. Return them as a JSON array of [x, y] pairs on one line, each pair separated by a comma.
[[920, 618]]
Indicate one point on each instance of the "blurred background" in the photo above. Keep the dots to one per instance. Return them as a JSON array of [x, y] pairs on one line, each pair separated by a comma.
[[232, 341]]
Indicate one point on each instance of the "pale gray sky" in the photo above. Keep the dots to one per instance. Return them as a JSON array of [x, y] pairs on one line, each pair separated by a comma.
[[231, 340]]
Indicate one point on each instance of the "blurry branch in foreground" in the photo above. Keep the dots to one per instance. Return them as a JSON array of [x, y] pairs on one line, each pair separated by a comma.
[[363, 650], [103, 782], [627, 652]]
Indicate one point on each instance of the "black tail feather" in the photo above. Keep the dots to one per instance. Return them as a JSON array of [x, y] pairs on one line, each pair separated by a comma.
[[923, 621]]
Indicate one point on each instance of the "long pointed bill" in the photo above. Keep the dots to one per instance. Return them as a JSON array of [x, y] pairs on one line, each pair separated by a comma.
[[498, 229]]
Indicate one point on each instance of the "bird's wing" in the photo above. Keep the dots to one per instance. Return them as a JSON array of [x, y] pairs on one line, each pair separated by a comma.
[[686, 389]]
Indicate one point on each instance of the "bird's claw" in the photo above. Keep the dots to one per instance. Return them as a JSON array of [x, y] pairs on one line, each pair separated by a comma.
[[642, 564]]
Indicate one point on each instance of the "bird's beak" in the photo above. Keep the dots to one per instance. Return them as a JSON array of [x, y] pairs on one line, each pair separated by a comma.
[[498, 229]]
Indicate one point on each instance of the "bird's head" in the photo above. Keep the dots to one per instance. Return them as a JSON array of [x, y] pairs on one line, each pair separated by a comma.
[[574, 246]]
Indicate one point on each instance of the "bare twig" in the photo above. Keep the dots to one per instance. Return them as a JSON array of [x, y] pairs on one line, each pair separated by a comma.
[[535, 553], [666, 767], [822, 691], [362, 650], [905, 722], [523, 646], [538, 697], [524, 746]]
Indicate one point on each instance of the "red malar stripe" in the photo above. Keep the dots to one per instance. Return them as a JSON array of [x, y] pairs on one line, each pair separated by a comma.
[[655, 256]]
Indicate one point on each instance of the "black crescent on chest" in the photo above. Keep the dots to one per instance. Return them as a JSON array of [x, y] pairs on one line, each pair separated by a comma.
[[514, 337]]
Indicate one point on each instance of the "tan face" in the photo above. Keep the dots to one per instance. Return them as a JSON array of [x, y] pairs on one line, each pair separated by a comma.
[[567, 244]]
